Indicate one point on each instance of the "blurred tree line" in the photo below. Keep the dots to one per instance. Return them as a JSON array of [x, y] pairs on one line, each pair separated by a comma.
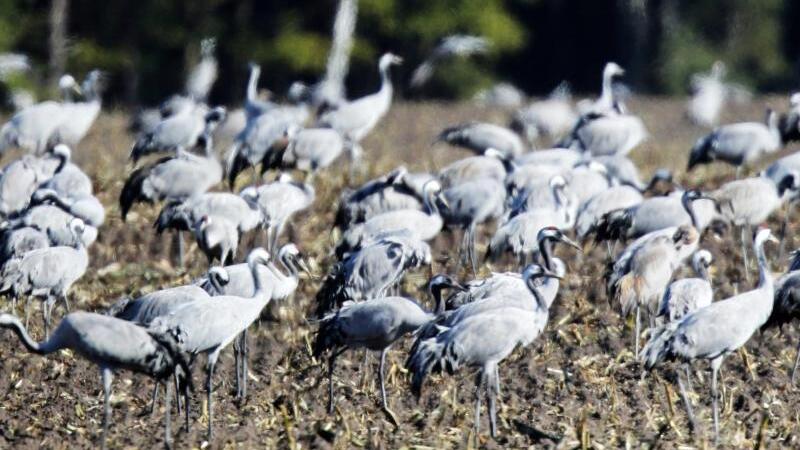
[[146, 46]]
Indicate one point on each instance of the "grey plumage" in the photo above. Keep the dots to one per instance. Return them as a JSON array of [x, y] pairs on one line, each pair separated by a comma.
[[20, 179], [457, 45], [375, 325], [713, 332], [111, 344], [279, 201], [480, 136], [688, 294]]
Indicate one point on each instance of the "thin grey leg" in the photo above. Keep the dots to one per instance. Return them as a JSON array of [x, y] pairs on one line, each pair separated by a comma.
[[245, 357], [331, 365], [715, 364], [492, 390], [381, 377], [744, 254], [479, 382], [212, 361], [796, 362], [686, 401], [167, 415], [106, 376], [154, 399], [177, 393], [636, 332], [181, 249]]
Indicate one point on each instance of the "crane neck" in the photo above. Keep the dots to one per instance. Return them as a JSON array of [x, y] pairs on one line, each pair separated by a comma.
[[386, 81], [436, 292], [607, 93], [537, 295], [430, 203], [13, 323], [252, 84], [764, 274], [689, 207], [702, 272], [258, 292], [546, 250]]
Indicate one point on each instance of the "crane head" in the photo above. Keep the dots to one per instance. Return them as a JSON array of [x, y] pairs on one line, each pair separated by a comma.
[[613, 70]]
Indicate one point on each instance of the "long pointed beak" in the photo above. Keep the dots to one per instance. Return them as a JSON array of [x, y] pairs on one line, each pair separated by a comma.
[[302, 264], [77, 89], [548, 274], [571, 243], [459, 287], [444, 201]]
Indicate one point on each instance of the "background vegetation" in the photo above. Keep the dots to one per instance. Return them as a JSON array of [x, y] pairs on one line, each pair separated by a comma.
[[146, 45]]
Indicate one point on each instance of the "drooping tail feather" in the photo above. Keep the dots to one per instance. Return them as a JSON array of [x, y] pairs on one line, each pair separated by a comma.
[[627, 292], [332, 293], [659, 347], [613, 226], [426, 359]]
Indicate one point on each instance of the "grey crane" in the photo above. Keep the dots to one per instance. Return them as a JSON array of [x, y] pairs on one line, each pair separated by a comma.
[[207, 325], [480, 341], [253, 105], [552, 117], [393, 191], [650, 271], [689, 294], [355, 119], [78, 117], [456, 45], [47, 273], [176, 177], [738, 144], [236, 280], [372, 270], [518, 233], [69, 180], [586, 179], [491, 164], [374, 325], [20, 179], [789, 123], [786, 307], [241, 209], [554, 195], [749, 202], [254, 144], [424, 225], [309, 150], [535, 180], [612, 199], [87, 208], [217, 237], [182, 130], [33, 127], [608, 134], [656, 213], [279, 201], [607, 103], [623, 171], [53, 221], [204, 74], [710, 93], [111, 344], [480, 136], [559, 157], [470, 204], [145, 309], [713, 332], [17, 242]]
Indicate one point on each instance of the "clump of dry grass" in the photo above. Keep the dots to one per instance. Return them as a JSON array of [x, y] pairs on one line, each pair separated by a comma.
[[576, 387]]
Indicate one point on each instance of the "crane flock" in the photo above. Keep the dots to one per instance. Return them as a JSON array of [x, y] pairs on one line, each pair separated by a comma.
[[525, 202]]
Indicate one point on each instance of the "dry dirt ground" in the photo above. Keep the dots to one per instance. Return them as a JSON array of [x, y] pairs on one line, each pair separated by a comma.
[[576, 386]]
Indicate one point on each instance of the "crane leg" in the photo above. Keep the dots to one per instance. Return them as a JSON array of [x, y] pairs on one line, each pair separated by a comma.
[[65, 300], [796, 362], [497, 379], [687, 368], [106, 375], [744, 254], [787, 210], [715, 364], [479, 382], [237, 359], [179, 237], [492, 389], [245, 356], [471, 249], [331, 365], [686, 401], [636, 332], [167, 415], [154, 399], [381, 368], [212, 361], [177, 390]]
